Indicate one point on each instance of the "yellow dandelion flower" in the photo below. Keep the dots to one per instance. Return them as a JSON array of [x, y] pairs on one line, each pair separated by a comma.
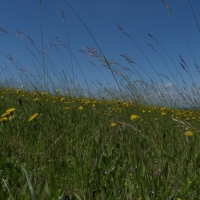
[[163, 113], [80, 108], [5, 114], [113, 124], [34, 92], [3, 119], [133, 117], [178, 199], [66, 108], [189, 133], [10, 110], [33, 117], [36, 99], [18, 91], [62, 99]]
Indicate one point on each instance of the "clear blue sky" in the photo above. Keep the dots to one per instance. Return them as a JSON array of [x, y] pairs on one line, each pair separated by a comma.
[[137, 18]]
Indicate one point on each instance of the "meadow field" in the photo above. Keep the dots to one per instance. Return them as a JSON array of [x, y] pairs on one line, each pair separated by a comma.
[[66, 141]]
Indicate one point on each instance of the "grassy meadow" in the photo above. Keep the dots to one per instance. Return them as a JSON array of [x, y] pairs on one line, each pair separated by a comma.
[[65, 142], [56, 145]]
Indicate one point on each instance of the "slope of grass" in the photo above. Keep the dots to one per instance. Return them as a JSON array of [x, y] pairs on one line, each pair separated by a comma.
[[91, 149]]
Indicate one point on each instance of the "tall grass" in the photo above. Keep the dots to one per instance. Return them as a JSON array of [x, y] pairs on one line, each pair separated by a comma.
[[61, 139]]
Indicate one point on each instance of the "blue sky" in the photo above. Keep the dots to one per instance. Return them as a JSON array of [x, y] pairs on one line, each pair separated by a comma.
[[137, 18]]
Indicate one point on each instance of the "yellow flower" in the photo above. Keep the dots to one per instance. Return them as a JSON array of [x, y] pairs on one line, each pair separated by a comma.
[[80, 108], [34, 92], [5, 114], [189, 133], [66, 108], [113, 124], [163, 113], [62, 99], [36, 99], [178, 199], [18, 91], [133, 117], [139, 198], [3, 119], [10, 110], [33, 117]]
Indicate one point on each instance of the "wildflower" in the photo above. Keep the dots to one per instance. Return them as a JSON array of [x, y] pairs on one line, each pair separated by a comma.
[[5, 114], [113, 124], [62, 99], [133, 117], [163, 113], [34, 92], [139, 198], [36, 99], [43, 93], [3, 119], [18, 91], [178, 199], [189, 133], [33, 117], [66, 108], [67, 93], [125, 104], [10, 110], [80, 108]]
